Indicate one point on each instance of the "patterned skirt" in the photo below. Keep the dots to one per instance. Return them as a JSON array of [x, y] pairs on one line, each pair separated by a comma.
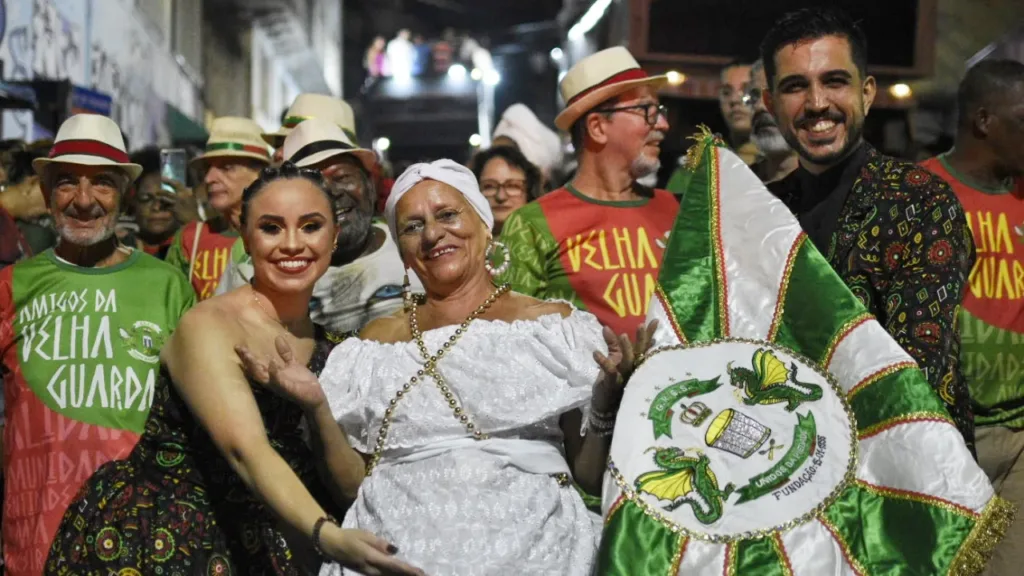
[[161, 516]]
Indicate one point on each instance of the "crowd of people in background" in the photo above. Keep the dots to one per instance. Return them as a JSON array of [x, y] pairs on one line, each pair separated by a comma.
[[348, 323], [407, 55]]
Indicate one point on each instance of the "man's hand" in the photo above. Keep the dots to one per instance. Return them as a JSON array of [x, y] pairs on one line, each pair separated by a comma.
[[182, 201]]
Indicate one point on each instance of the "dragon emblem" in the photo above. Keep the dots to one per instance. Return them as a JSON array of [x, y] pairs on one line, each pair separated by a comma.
[[685, 479], [767, 382]]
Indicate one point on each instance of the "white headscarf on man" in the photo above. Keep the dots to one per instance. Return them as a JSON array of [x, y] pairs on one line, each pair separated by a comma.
[[448, 171]]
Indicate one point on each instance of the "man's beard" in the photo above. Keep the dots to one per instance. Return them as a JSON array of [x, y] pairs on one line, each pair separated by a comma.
[[84, 237], [854, 130], [767, 136], [643, 166], [353, 237]]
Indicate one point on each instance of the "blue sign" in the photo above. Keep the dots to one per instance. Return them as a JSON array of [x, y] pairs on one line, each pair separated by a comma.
[[85, 101], [3, 20]]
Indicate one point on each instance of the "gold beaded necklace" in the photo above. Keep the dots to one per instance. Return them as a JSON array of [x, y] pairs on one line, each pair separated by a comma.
[[430, 369]]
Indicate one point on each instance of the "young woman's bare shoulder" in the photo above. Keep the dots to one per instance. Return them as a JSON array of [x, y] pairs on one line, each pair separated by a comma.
[[211, 323], [531, 308]]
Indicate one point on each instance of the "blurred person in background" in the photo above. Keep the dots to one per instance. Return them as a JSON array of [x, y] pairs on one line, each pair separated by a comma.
[[401, 55], [737, 115], [598, 241], [159, 214], [13, 246], [422, 51], [985, 168], [443, 50], [365, 278], [507, 179], [733, 82], [520, 127], [775, 158], [375, 60], [307, 106], [895, 233], [234, 156], [22, 197], [73, 407]]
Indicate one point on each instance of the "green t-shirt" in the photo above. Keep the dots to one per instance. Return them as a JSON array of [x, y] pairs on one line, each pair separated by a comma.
[[80, 350]]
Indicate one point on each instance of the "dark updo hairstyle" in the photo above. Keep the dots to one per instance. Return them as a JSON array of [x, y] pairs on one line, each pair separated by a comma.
[[286, 171]]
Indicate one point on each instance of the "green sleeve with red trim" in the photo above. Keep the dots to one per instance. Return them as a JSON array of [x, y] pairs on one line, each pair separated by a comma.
[[176, 254], [530, 245], [535, 268]]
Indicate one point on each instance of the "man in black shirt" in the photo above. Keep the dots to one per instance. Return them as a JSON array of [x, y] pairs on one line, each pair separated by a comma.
[[895, 233]]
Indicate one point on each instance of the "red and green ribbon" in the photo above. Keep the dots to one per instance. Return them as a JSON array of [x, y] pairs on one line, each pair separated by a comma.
[[237, 146]]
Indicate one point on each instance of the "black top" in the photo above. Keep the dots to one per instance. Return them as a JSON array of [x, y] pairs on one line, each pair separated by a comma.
[[818, 199]]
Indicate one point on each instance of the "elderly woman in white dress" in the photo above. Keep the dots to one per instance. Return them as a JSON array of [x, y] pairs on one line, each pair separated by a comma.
[[468, 407]]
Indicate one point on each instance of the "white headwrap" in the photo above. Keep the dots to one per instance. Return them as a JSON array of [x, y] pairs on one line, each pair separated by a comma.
[[451, 173], [541, 146]]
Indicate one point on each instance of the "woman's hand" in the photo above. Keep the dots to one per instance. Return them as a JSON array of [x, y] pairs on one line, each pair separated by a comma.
[[364, 552], [618, 365], [284, 375]]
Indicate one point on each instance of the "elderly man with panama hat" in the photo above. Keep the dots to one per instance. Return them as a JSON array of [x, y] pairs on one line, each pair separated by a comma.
[[81, 326], [234, 156], [366, 274], [598, 241]]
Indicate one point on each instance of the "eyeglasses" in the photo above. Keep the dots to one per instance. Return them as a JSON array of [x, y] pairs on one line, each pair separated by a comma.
[[650, 111], [752, 97], [513, 188]]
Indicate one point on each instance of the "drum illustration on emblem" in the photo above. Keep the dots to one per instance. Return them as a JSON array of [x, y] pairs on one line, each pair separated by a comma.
[[736, 433], [733, 426]]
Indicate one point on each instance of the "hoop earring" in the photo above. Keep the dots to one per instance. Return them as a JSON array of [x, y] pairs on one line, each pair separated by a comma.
[[406, 293], [505, 261]]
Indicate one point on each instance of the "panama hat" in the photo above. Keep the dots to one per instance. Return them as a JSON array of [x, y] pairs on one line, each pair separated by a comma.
[[599, 77], [90, 140], [234, 137], [307, 106], [316, 140]]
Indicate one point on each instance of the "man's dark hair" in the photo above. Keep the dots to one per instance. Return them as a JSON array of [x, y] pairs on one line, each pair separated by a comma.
[[811, 24], [148, 158], [983, 82], [515, 159]]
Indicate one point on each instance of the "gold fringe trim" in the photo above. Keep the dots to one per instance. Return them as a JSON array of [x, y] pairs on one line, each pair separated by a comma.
[[976, 551], [694, 153]]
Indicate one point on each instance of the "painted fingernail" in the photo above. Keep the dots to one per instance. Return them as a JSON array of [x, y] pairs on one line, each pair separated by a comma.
[[392, 549]]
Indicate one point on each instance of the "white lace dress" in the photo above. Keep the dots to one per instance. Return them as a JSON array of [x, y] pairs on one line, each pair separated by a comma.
[[454, 506]]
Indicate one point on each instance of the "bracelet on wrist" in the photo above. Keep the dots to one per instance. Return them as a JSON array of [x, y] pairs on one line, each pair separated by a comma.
[[600, 425], [317, 526], [595, 415]]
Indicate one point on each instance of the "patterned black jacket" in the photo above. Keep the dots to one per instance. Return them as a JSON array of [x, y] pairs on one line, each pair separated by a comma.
[[903, 247]]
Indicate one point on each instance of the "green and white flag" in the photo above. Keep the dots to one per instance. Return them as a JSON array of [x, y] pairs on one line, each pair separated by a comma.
[[777, 429]]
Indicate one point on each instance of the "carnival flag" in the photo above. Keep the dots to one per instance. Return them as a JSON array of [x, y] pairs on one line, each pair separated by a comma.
[[777, 429]]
